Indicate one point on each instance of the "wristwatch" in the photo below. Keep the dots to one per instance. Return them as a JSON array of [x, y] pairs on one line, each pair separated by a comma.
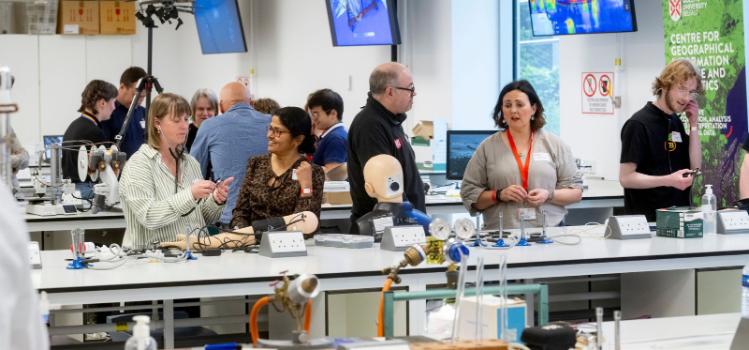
[[550, 197], [694, 128], [306, 190]]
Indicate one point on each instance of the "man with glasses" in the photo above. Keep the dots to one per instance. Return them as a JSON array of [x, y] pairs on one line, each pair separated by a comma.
[[377, 129], [224, 143], [659, 158]]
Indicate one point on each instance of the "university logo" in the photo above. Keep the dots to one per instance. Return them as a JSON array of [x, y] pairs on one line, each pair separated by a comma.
[[674, 9]]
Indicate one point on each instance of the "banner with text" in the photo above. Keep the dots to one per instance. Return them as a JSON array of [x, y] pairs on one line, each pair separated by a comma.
[[711, 33]]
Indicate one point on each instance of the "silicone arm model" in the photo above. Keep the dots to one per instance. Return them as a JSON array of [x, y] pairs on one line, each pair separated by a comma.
[[305, 222]]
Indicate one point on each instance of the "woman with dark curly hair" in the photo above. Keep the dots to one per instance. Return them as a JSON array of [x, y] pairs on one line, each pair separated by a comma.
[[520, 170]]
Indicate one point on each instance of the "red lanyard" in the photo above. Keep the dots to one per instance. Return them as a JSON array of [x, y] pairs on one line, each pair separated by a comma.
[[523, 168]]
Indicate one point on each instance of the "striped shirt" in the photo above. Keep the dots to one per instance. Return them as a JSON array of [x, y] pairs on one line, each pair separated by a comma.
[[153, 211]]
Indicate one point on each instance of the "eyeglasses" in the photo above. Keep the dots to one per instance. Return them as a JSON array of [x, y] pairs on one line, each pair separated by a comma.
[[276, 132], [412, 90]]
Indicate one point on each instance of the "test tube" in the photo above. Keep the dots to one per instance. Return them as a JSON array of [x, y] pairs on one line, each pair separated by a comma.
[[479, 297], [599, 328], [617, 330]]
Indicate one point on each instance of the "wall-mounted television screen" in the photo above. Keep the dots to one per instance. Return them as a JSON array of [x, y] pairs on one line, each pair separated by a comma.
[[363, 22], [565, 17], [219, 26]]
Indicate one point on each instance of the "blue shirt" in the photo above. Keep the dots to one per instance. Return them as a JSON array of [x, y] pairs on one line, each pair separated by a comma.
[[225, 143], [135, 134], [332, 146]]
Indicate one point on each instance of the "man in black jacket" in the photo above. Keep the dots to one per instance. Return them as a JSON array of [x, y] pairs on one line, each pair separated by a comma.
[[377, 130]]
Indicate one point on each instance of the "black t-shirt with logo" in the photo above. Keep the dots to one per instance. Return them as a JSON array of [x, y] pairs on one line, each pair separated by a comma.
[[658, 144], [375, 130]]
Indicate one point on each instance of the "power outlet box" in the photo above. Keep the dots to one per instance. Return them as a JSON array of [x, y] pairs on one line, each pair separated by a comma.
[[282, 244], [401, 237], [628, 227], [733, 222]]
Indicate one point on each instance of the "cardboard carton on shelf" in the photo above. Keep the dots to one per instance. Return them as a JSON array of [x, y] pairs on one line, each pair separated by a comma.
[[117, 17], [78, 17]]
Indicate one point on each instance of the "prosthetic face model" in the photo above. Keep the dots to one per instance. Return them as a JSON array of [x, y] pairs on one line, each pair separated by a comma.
[[383, 179]]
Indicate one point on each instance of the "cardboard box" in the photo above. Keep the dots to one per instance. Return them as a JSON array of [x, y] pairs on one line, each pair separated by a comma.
[[424, 128], [78, 17], [678, 222], [491, 318], [117, 17]]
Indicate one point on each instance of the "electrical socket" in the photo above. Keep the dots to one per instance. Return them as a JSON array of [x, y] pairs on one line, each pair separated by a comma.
[[733, 222], [282, 244], [402, 237], [628, 227]]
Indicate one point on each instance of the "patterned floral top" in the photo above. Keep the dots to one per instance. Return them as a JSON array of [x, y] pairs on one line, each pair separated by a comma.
[[264, 195]]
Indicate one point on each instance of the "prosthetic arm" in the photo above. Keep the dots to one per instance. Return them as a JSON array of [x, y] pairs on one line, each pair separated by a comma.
[[305, 222]]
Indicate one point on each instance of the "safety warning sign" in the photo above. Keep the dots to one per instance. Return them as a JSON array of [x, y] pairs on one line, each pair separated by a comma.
[[596, 92]]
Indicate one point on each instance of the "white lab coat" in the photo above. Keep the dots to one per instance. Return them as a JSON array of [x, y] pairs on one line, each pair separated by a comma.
[[20, 321]]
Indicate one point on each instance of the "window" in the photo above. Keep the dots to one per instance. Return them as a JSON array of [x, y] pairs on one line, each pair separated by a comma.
[[537, 60]]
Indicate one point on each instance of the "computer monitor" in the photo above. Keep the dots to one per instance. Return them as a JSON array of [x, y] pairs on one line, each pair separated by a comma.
[[363, 22], [461, 145], [581, 17], [50, 140], [219, 26]]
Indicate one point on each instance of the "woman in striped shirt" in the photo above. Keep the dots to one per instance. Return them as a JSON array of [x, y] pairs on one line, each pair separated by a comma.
[[162, 189]]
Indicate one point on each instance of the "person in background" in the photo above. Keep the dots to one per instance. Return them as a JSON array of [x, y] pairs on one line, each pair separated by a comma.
[[21, 324], [19, 158], [135, 134], [97, 104], [204, 105], [520, 170], [326, 108], [162, 189], [266, 105], [657, 153], [281, 182], [377, 129], [225, 143]]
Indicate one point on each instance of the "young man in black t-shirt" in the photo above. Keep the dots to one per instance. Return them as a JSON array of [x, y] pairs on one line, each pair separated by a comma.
[[657, 152], [97, 104]]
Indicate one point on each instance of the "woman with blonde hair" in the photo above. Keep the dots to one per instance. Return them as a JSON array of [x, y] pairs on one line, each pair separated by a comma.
[[162, 189]]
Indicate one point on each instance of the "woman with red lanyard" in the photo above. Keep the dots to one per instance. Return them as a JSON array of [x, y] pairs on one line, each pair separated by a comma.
[[520, 170]]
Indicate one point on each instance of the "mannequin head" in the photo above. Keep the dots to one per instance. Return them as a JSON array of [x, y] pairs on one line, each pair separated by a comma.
[[383, 179]]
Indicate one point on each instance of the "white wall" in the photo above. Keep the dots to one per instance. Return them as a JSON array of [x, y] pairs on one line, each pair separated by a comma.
[[596, 138], [290, 53]]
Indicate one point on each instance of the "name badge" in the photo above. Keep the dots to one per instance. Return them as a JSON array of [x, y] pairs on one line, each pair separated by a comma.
[[527, 214], [676, 136], [143, 124], [541, 157]]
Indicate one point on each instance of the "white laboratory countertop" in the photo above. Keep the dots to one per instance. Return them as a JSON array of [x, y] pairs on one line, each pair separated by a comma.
[[600, 194], [594, 256], [703, 332]]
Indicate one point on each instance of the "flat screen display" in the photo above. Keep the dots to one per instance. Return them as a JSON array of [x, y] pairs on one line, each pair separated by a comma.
[[363, 22], [461, 145], [219, 26], [50, 140], [567, 17]]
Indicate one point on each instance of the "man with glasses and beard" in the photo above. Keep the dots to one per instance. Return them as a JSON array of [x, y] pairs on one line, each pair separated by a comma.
[[658, 156], [377, 129]]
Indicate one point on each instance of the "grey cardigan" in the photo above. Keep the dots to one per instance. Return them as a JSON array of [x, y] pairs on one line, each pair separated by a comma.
[[493, 166]]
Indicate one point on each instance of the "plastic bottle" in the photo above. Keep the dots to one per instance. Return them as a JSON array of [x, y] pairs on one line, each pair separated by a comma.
[[745, 292], [141, 339], [44, 307], [709, 211]]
